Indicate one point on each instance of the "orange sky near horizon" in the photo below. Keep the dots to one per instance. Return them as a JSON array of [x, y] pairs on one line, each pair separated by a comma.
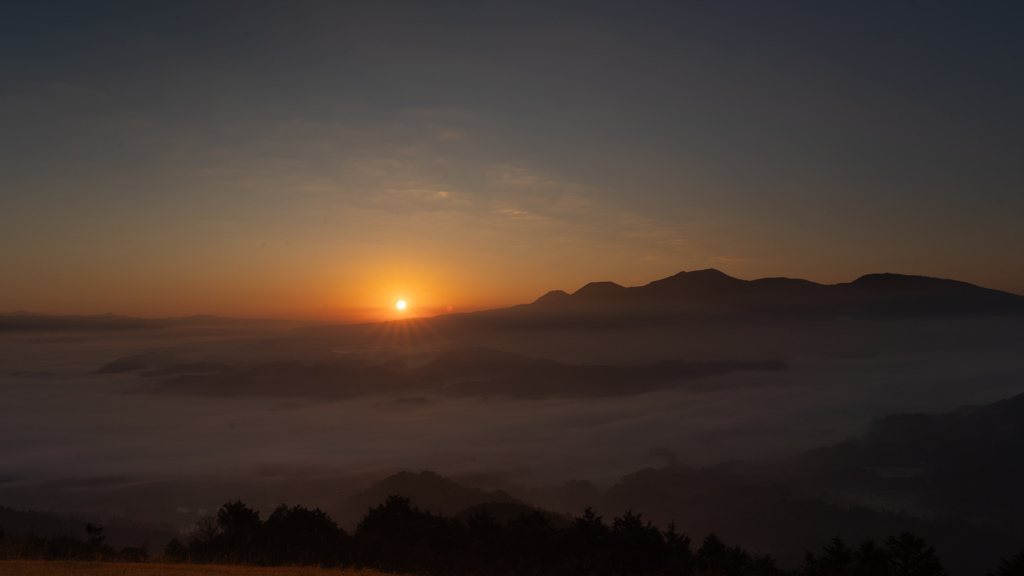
[[503, 237], [367, 296]]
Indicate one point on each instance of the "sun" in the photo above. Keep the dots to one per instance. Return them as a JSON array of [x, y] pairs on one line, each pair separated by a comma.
[[400, 304]]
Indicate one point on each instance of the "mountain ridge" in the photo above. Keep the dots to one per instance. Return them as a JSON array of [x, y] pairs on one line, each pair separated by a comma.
[[707, 290], [710, 289]]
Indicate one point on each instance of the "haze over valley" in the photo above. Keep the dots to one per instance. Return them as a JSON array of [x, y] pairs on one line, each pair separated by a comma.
[[554, 401]]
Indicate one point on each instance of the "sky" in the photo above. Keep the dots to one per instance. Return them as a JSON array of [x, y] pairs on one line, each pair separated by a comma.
[[322, 160]]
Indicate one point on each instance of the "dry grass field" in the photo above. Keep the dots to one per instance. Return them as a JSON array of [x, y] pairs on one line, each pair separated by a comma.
[[73, 568]]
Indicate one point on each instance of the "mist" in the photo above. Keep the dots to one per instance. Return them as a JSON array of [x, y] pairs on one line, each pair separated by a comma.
[[419, 394]]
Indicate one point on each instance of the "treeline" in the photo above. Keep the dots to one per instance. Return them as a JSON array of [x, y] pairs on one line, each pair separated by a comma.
[[66, 547], [398, 537]]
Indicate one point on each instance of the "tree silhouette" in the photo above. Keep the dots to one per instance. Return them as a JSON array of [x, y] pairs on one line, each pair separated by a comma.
[[836, 560], [484, 533], [531, 542], [636, 547], [909, 555], [204, 544], [302, 536], [871, 560], [96, 536], [94, 545], [680, 556], [1012, 567], [241, 533], [175, 551], [398, 537], [716, 559], [586, 544], [763, 565]]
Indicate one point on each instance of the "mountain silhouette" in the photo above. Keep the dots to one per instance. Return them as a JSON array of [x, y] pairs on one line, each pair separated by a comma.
[[599, 291], [551, 297], [966, 463], [714, 291]]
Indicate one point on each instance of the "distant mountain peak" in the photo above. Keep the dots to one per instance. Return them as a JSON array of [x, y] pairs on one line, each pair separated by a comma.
[[706, 275], [707, 272], [696, 284], [599, 290], [552, 296]]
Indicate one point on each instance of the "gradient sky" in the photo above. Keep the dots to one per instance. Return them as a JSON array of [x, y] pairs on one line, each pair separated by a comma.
[[324, 159]]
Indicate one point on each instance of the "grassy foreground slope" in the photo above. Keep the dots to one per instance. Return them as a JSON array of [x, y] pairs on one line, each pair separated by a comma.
[[79, 568]]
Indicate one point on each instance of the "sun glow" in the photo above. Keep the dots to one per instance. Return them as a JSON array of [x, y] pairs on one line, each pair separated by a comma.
[[400, 304]]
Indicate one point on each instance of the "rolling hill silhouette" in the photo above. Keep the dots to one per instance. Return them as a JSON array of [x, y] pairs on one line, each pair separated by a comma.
[[427, 490], [966, 463], [712, 290]]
